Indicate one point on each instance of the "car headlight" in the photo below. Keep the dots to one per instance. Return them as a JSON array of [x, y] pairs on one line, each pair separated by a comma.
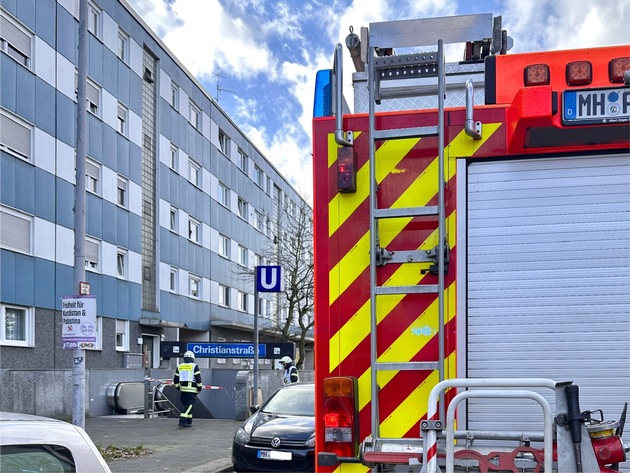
[[310, 443], [241, 436]]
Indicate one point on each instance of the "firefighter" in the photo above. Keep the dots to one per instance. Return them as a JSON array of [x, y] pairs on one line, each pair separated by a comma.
[[290, 371], [187, 381]]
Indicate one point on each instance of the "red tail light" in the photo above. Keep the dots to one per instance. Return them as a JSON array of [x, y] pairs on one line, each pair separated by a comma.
[[341, 416], [346, 169]]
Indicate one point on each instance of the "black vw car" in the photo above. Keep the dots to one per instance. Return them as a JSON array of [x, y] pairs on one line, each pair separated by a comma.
[[280, 436]]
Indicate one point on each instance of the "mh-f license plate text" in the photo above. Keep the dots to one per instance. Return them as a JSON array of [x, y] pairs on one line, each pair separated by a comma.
[[590, 106]]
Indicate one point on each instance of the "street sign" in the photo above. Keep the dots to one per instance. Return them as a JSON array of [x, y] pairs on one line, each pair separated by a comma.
[[78, 322], [270, 278], [226, 350]]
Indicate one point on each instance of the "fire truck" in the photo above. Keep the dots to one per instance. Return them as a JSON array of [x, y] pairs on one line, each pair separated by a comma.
[[472, 253]]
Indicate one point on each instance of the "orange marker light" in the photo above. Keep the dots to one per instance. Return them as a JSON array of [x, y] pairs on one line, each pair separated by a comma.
[[617, 67], [579, 73], [537, 74]]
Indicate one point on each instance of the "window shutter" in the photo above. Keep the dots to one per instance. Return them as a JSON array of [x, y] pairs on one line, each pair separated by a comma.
[[15, 232], [15, 136], [91, 251], [13, 35], [92, 170], [93, 93]]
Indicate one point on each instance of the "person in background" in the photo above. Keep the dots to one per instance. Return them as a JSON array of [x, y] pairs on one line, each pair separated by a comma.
[[187, 381], [290, 371]]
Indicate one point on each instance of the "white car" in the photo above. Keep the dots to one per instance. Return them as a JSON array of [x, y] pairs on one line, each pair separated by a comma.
[[34, 443]]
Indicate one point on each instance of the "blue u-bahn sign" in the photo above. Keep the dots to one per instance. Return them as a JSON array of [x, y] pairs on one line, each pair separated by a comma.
[[269, 278]]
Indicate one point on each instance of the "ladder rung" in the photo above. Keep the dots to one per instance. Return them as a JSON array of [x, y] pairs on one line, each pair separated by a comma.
[[406, 212], [420, 289], [397, 133], [408, 366]]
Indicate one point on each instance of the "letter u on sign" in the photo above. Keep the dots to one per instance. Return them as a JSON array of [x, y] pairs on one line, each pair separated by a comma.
[[269, 278]]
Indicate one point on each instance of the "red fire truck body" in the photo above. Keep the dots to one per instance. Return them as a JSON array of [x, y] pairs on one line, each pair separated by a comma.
[[536, 245]]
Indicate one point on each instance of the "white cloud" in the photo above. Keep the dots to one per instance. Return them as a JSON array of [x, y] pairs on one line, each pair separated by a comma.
[[273, 50]]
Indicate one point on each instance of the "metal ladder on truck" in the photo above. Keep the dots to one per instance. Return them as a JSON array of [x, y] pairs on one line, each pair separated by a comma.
[[409, 68]]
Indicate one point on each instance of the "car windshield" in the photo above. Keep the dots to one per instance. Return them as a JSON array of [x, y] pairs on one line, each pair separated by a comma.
[[295, 402]]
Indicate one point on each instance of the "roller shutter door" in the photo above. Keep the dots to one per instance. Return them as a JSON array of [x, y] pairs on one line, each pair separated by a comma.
[[549, 282]]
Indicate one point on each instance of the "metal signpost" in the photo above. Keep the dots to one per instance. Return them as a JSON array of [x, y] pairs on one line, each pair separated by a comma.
[[266, 279]]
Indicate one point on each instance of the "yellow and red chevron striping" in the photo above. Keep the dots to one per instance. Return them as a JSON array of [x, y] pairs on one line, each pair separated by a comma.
[[407, 176]]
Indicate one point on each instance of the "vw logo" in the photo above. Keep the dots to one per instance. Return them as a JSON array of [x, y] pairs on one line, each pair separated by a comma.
[[275, 442]]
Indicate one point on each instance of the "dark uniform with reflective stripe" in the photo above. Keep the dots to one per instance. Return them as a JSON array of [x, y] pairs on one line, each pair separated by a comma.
[[187, 381]]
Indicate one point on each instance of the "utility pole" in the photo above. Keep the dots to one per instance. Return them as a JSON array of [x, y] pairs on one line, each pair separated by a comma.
[[78, 367], [219, 88]]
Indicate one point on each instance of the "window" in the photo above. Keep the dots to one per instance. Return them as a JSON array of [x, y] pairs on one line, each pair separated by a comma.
[[122, 119], [194, 285], [172, 224], [257, 260], [122, 335], [261, 306], [260, 221], [224, 246], [15, 230], [94, 20], [15, 136], [193, 230], [194, 172], [195, 116], [123, 45], [15, 41], [242, 255], [173, 158], [224, 143], [93, 98], [92, 176], [242, 301], [221, 340], [242, 208], [121, 192], [259, 176], [224, 195], [16, 326], [224, 296], [174, 95], [121, 263], [92, 254], [243, 161], [174, 276]]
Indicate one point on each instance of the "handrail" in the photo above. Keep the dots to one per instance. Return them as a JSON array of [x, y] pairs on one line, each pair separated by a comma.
[[472, 127], [548, 421], [430, 440], [342, 138]]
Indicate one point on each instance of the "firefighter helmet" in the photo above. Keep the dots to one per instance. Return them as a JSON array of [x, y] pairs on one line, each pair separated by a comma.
[[189, 354], [286, 360]]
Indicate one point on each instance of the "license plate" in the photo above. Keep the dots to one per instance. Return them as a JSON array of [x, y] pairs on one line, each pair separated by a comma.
[[590, 106], [274, 455]]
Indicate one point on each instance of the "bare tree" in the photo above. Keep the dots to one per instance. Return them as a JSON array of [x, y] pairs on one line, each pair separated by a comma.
[[295, 255], [292, 248]]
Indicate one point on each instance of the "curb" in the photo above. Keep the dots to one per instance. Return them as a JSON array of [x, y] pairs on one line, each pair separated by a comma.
[[215, 466]]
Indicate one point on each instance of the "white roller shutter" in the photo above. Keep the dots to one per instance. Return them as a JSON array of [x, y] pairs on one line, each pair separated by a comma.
[[548, 251]]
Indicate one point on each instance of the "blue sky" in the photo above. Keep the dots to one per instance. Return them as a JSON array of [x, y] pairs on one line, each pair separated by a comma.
[[267, 52]]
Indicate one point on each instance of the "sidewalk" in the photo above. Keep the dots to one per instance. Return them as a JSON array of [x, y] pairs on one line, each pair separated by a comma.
[[206, 448]]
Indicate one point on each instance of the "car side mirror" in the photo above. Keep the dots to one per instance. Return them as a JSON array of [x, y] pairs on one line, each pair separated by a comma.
[[253, 409]]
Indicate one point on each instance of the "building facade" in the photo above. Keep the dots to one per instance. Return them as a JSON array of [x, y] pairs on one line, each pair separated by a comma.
[[180, 204]]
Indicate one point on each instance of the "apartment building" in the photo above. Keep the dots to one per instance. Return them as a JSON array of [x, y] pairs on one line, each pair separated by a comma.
[[179, 201]]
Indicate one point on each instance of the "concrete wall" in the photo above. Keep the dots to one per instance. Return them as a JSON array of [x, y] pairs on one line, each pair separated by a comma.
[[268, 383], [50, 393]]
